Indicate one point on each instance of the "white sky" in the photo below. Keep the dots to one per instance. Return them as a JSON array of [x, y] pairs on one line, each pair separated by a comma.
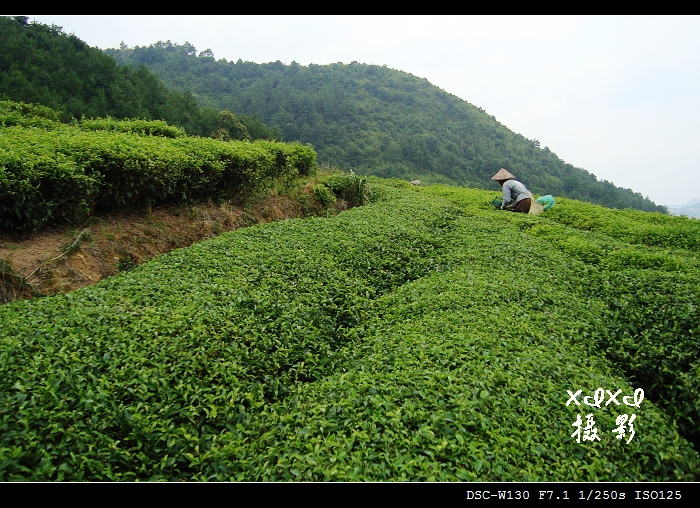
[[616, 95]]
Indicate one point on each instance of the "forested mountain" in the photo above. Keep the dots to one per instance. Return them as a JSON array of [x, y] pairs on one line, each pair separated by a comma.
[[41, 64], [369, 118], [376, 120]]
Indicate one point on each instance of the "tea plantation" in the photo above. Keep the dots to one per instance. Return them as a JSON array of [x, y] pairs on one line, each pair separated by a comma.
[[424, 336]]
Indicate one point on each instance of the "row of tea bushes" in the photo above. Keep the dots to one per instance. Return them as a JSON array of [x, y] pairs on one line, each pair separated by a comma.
[[64, 174], [140, 374], [644, 268], [389, 342]]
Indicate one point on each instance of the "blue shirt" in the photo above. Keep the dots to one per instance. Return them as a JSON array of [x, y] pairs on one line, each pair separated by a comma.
[[514, 191]]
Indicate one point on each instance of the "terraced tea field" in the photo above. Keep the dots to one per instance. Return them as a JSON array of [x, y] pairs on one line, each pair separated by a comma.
[[423, 336]]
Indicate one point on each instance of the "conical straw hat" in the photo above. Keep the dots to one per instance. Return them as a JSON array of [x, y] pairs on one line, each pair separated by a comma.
[[502, 175]]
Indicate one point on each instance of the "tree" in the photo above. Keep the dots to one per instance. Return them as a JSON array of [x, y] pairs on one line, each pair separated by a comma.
[[229, 127]]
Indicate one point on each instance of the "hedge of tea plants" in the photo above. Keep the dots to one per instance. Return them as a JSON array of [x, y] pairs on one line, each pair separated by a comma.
[[133, 126], [389, 342], [644, 267], [28, 115], [57, 173]]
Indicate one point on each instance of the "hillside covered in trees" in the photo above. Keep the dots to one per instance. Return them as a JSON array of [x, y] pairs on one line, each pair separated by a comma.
[[376, 120], [41, 64], [369, 118]]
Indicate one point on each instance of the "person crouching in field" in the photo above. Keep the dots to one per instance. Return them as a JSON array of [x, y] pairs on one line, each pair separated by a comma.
[[516, 197]]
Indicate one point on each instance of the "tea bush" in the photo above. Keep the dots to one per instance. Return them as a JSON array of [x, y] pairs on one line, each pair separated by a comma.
[[350, 187], [27, 115], [62, 175], [132, 126]]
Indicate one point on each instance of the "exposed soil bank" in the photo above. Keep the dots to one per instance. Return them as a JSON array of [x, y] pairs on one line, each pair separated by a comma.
[[45, 264]]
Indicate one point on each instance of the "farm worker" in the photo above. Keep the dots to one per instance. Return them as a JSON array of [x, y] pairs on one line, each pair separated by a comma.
[[516, 197]]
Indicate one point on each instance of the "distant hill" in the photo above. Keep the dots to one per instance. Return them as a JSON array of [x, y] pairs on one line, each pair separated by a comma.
[[689, 209], [376, 120]]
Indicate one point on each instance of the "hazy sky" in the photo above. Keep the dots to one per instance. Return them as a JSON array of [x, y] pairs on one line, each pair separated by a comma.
[[616, 95]]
